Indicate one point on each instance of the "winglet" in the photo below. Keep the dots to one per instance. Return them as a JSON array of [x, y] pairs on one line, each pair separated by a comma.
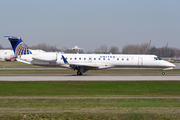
[[64, 59]]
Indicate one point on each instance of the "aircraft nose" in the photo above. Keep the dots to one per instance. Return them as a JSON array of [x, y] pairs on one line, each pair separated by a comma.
[[171, 64], [168, 64]]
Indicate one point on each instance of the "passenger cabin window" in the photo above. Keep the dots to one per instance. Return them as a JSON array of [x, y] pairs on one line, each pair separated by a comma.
[[122, 59], [99, 58], [89, 58], [117, 58], [79, 58], [74, 58], [70, 58], [84, 58], [94, 58], [103, 58], [127, 59]]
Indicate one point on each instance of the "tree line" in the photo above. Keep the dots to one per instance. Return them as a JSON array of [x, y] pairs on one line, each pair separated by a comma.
[[45, 47], [143, 48]]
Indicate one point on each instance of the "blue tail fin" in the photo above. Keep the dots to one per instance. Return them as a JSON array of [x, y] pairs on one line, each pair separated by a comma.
[[18, 46]]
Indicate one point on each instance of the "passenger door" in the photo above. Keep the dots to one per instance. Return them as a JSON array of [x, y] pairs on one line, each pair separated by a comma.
[[140, 61]]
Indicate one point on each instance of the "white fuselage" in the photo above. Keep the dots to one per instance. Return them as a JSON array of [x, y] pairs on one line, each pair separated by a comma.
[[96, 61], [6, 54]]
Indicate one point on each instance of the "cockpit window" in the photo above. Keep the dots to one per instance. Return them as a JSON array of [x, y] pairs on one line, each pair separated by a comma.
[[157, 58]]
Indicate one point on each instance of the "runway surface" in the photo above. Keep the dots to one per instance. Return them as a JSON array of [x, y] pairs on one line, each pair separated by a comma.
[[90, 78]]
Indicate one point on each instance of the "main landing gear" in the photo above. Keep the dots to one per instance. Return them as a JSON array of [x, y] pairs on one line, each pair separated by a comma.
[[80, 70], [79, 73], [163, 73]]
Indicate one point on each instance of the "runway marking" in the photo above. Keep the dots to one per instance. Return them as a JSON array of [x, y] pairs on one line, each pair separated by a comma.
[[89, 97]]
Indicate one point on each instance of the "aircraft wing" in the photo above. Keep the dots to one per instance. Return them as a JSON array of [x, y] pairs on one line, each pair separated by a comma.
[[90, 66]]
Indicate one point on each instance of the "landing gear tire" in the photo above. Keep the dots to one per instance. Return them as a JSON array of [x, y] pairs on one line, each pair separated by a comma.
[[79, 73], [163, 73]]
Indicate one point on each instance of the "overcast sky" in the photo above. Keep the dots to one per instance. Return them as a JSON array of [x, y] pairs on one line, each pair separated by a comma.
[[91, 23]]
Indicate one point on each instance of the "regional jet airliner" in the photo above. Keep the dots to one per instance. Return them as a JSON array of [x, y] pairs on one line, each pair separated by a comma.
[[85, 62]]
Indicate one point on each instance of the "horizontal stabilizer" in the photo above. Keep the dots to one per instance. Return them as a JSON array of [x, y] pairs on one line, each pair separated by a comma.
[[11, 37], [19, 60]]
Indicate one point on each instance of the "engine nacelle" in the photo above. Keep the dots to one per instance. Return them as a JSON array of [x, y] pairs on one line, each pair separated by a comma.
[[45, 56]]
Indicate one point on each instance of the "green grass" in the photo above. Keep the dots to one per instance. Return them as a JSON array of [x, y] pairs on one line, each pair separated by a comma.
[[119, 88], [88, 103], [90, 109], [36, 72], [90, 116], [8, 64], [4, 64], [90, 72]]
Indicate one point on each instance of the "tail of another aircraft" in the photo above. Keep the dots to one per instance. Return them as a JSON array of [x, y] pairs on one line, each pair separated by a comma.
[[18, 46]]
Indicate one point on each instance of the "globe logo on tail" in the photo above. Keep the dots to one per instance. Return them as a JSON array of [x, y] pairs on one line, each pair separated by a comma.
[[22, 49]]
